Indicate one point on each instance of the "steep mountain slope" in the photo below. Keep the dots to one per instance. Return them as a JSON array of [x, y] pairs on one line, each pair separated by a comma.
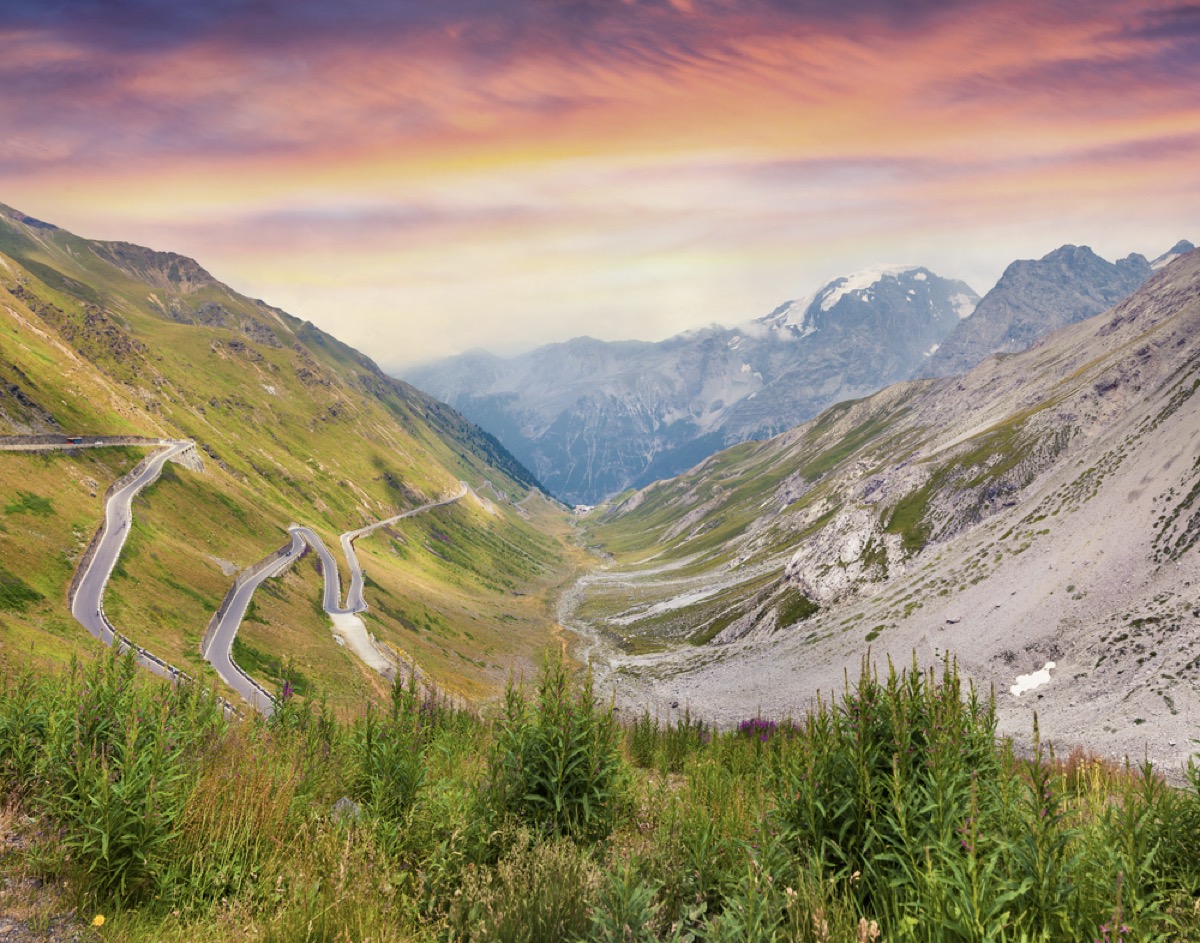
[[293, 426], [1033, 298], [593, 417], [1045, 507]]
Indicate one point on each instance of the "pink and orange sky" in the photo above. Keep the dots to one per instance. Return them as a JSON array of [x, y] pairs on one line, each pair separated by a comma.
[[421, 178]]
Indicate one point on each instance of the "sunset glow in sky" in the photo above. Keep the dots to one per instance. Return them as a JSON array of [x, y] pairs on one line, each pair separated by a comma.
[[421, 178]]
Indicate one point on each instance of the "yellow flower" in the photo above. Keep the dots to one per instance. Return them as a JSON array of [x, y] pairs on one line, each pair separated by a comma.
[[98, 920]]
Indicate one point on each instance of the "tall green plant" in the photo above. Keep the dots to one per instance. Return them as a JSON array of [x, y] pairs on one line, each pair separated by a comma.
[[876, 782], [24, 717], [556, 764], [120, 808], [389, 763], [115, 773]]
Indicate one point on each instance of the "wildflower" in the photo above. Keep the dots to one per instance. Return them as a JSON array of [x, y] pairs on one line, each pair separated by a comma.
[[98, 920], [867, 932]]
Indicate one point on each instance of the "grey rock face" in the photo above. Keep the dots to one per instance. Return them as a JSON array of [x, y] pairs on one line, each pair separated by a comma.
[[1033, 298], [592, 418]]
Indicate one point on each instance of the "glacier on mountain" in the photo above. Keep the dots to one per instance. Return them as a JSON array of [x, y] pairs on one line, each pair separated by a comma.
[[863, 280]]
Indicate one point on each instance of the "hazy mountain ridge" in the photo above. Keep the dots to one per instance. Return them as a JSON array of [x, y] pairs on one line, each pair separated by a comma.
[[1182, 247], [1033, 298], [593, 417], [1043, 507]]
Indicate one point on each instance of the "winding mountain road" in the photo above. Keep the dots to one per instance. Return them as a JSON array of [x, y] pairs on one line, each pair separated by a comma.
[[87, 599], [354, 596], [218, 652], [88, 604]]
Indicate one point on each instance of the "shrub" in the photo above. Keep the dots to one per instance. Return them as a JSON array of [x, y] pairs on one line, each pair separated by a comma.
[[666, 747], [389, 764], [556, 765], [23, 723], [119, 807], [114, 772], [885, 776], [625, 910]]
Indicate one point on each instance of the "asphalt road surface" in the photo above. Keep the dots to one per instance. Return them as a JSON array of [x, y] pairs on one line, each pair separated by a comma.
[[221, 645], [88, 605], [354, 596]]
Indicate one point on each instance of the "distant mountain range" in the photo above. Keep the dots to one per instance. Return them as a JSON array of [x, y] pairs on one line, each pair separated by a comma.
[[592, 418]]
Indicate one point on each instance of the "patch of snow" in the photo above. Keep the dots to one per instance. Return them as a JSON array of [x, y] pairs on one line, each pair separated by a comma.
[[790, 314], [964, 307], [1164, 260], [793, 315], [270, 389], [745, 368], [735, 343], [1031, 681], [837, 289], [919, 276], [932, 350]]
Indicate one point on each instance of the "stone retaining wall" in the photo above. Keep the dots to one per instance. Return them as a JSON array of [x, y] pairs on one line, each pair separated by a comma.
[[18, 442]]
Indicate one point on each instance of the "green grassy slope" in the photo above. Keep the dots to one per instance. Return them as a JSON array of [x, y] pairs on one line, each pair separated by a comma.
[[294, 426]]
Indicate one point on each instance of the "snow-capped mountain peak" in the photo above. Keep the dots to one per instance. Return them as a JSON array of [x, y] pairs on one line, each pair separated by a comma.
[[862, 281], [791, 314], [1180, 248], [910, 283]]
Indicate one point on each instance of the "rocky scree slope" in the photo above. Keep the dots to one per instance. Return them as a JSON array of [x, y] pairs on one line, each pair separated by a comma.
[[592, 418], [1044, 507], [293, 425]]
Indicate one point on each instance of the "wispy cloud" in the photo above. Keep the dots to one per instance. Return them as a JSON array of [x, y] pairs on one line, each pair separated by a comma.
[[646, 162]]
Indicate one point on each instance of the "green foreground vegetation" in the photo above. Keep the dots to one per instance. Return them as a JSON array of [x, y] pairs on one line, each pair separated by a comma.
[[892, 813]]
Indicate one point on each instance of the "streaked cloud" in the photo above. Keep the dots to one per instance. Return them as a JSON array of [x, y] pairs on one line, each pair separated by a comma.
[[423, 177]]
